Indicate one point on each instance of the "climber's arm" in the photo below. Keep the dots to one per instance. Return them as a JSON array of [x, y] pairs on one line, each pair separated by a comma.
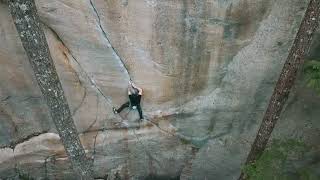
[[139, 89], [129, 92]]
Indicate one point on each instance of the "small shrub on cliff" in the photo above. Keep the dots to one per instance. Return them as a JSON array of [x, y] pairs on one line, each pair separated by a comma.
[[312, 74]]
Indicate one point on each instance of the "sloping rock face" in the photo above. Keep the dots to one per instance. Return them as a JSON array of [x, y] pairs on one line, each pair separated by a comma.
[[207, 67]]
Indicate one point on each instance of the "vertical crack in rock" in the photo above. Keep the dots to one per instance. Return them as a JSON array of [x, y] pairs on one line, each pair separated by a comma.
[[108, 151], [82, 101], [115, 53], [146, 150], [94, 148], [46, 167], [95, 120], [186, 172], [76, 73], [91, 80], [16, 170]]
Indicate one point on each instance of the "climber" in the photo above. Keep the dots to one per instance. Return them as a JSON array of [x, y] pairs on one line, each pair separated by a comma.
[[135, 94]]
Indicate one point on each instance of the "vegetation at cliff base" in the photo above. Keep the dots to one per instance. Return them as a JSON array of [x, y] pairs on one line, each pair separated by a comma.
[[274, 162], [312, 74]]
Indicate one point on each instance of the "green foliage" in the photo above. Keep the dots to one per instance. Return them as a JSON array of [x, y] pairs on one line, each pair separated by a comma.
[[24, 176], [312, 74], [271, 164], [307, 174], [210, 128], [185, 141]]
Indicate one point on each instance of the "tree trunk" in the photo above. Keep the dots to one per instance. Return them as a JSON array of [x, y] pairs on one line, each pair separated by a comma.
[[27, 23], [286, 80]]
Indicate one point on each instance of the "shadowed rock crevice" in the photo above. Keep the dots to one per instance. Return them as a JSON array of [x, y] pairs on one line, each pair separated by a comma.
[[13, 144]]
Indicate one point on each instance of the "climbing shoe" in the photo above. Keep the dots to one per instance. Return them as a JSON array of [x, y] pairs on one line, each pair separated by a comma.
[[114, 110]]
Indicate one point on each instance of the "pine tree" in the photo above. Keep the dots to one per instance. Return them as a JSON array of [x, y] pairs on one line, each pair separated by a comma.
[[294, 62], [26, 20]]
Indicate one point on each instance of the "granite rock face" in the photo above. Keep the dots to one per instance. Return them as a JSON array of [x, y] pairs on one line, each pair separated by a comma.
[[207, 69]]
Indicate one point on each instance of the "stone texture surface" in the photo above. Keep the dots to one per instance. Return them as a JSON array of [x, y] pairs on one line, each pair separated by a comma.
[[207, 69]]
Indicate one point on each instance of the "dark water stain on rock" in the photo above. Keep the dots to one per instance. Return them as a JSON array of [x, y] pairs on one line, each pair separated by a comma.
[[183, 46], [240, 23], [180, 44], [194, 61], [246, 16], [7, 127]]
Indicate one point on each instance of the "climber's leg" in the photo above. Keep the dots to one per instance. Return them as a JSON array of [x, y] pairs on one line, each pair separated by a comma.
[[140, 111], [125, 105]]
